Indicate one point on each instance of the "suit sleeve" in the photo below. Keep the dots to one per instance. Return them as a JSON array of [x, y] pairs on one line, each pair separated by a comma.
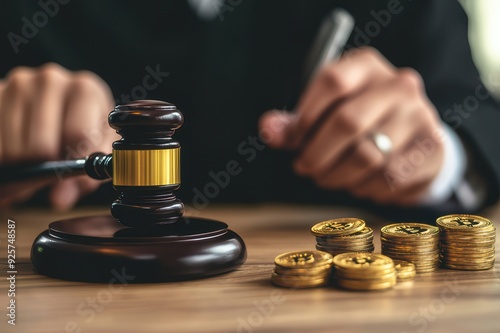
[[432, 37]]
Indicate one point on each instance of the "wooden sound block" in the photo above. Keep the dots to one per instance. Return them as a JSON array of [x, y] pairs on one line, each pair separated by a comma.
[[100, 249]]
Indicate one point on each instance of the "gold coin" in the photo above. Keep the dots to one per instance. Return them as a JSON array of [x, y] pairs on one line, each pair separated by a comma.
[[297, 282], [296, 278], [425, 254], [467, 234], [366, 232], [410, 230], [338, 227], [466, 244], [470, 267], [320, 270], [303, 259], [470, 232], [341, 242], [363, 260], [354, 247], [464, 222], [470, 253], [462, 259], [404, 250], [420, 262], [363, 285], [405, 271], [403, 266], [414, 241], [355, 274]]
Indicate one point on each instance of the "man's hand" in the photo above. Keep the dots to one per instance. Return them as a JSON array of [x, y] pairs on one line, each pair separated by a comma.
[[342, 107], [50, 113]]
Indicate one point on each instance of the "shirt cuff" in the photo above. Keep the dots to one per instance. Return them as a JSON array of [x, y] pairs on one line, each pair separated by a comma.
[[452, 170]]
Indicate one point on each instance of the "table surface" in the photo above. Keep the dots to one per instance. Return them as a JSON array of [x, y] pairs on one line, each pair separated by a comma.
[[245, 300]]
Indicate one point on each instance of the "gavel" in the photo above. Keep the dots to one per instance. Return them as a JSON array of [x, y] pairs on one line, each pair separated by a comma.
[[144, 165], [147, 235]]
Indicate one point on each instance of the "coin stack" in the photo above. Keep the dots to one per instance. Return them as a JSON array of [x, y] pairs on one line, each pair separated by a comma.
[[405, 271], [343, 235], [467, 242], [302, 269], [364, 271], [417, 243]]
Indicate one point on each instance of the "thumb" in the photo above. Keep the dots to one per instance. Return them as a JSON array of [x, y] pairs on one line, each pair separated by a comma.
[[274, 128]]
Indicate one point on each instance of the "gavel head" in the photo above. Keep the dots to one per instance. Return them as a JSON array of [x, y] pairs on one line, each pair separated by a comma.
[[146, 163]]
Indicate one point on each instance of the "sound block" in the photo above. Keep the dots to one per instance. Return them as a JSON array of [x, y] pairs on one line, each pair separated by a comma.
[[100, 249]]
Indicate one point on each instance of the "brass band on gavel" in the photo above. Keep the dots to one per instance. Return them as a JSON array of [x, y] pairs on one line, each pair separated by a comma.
[[154, 167]]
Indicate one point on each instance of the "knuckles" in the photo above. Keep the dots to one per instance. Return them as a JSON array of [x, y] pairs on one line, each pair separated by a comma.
[[347, 120], [17, 80], [331, 78], [19, 72], [410, 80], [24, 83], [88, 84], [370, 54], [52, 75]]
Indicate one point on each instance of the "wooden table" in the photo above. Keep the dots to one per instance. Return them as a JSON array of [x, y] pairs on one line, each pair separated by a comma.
[[244, 300]]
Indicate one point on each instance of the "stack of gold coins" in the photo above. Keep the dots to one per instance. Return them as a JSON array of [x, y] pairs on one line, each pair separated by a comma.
[[414, 242], [364, 271], [343, 235], [405, 271], [302, 269], [467, 242]]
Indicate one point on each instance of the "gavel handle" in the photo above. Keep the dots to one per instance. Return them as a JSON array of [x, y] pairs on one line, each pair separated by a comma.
[[96, 165]]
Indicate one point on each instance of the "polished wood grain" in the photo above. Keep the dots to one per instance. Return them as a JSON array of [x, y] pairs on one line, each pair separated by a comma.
[[244, 300]]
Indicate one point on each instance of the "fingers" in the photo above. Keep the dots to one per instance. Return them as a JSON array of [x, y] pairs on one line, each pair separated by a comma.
[[273, 126], [344, 105], [363, 160], [401, 182], [86, 109], [350, 122], [406, 175], [85, 131], [44, 126], [336, 82], [16, 97], [51, 113]]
